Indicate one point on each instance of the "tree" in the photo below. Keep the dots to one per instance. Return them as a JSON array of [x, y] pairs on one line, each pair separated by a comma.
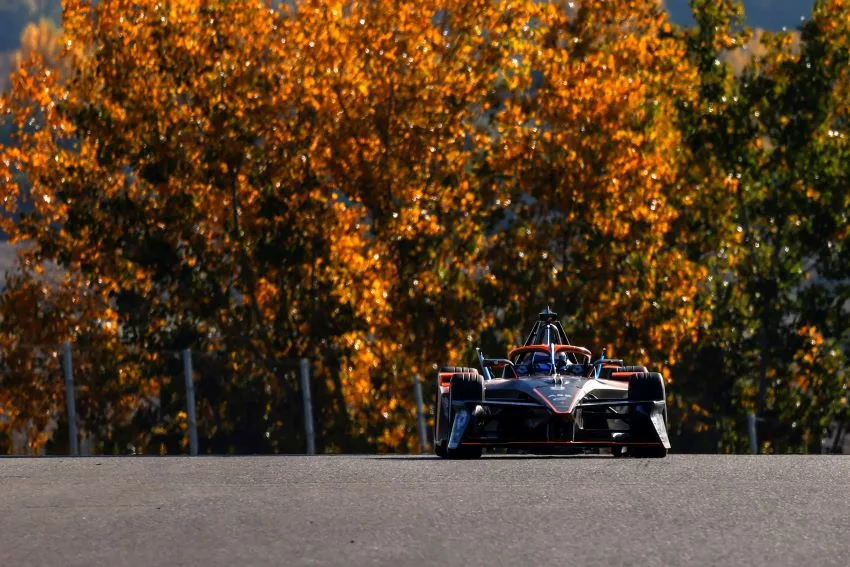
[[166, 174], [376, 185], [764, 145], [397, 93], [588, 194], [264, 186]]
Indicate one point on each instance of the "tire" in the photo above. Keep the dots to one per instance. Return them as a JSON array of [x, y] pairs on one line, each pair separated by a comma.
[[465, 386], [648, 386], [440, 445], [441, 450], [455, 369], [633, 369]]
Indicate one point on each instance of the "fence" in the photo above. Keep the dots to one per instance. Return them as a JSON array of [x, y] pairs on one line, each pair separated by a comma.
[[838, 440], [188, 374]]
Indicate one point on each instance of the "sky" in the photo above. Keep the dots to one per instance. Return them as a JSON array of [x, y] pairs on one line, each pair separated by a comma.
[[768, 14]]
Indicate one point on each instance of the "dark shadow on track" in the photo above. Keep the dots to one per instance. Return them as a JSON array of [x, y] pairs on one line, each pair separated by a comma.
[[499, 457]]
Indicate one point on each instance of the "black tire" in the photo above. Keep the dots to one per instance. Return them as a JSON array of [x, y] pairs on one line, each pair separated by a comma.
[[633, 369], [465, 386], [444, 369], [442, 426], [441, 450], [647, 386], [440, 445]]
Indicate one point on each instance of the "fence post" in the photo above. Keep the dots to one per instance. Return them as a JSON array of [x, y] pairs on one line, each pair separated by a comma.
[[190, 402], [74, 446], [308, 406], [751, 430], [420, 413]]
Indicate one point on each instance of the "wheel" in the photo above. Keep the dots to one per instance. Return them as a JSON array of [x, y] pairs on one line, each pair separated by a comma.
[[444, 369], [440, 427], [647, 386], [441, 450], [465, 386], [633, 369]]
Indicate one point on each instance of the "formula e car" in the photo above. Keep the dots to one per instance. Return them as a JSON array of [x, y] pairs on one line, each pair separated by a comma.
[[548, 397]]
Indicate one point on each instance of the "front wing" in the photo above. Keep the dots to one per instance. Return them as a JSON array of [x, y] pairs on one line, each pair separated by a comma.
[[534, 427]]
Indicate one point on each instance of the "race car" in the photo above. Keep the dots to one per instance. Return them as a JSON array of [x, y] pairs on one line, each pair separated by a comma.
[[547, 397]]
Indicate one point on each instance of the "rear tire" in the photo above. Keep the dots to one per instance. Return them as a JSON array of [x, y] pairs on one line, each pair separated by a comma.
[[457, 369], [633, 369], [466, 387], [647, 386]]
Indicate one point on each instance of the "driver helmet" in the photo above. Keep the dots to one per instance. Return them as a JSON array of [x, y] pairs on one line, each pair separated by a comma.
[[561, 361]]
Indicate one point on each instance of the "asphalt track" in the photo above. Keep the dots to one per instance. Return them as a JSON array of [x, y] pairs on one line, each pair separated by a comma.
[[367, 510]]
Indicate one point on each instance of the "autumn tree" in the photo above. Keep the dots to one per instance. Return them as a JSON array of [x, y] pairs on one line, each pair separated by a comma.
[[766, 146], [267, 185], [167, 173], [376, 186], [586, 187], [401, 94]]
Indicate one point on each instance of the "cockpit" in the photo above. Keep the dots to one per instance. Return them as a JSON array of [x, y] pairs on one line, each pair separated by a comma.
[[540, 362], [546, 351]]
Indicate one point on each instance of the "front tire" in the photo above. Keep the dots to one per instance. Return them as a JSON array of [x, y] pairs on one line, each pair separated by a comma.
[[464, 387], [441, 425], [441, 450]]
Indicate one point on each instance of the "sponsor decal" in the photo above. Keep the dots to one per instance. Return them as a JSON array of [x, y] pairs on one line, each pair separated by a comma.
[[558, 396]]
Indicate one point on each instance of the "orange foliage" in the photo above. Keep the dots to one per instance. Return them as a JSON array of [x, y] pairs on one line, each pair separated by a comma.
[[371, 185]]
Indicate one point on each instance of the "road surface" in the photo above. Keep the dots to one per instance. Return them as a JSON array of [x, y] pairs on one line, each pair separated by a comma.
[[369, 510]]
